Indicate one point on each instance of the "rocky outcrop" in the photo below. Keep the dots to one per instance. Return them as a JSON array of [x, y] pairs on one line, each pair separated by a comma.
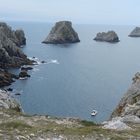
[[8, 102], [21, 37], [6, 78], [26, 68], [24, 74], [130, 103], [110, 36], [135, 32], [10, 53], [62, 33]]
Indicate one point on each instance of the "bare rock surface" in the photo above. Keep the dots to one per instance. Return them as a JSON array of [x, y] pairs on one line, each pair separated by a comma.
[[62, 33], [135, 32], [110, 36], [130, 103], [10, 53]]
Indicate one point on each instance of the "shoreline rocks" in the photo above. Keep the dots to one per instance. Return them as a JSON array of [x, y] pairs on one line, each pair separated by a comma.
[[8, 102], [130, 103], [135, 32], [26, 68], [24, 74], [11, 56], [6, 78], [10, 41], [109, 36], [62, 33]]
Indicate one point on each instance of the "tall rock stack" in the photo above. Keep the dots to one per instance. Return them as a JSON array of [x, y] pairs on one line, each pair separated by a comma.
[[62, 33]]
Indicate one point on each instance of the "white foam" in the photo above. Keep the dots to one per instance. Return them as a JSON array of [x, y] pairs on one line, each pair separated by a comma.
[[49, 61], [52, 61], [21, 78], [35, 69]]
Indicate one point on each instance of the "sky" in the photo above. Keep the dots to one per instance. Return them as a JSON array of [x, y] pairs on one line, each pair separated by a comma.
[[115, 12]]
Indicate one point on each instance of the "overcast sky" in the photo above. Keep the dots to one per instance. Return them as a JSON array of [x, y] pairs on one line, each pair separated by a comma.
[[78, 11]]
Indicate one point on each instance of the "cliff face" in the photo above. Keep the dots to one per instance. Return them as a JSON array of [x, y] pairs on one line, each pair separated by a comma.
[[130, 103], [10, 53], [62, 33], [10, 41]]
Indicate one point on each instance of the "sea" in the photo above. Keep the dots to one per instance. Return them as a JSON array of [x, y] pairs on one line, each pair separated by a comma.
[[77, 78]]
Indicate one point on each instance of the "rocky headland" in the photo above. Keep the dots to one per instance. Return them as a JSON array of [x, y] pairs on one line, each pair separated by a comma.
[[130, 103], [135, 32], [110, 36], [61, 33], [11, 56]]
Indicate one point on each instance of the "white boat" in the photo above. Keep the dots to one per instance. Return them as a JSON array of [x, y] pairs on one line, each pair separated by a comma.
[[94, 112]]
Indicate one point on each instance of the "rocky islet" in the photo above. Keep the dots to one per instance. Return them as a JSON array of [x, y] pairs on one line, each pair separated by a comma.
[[135, 32], [61, 33], [109, 36]]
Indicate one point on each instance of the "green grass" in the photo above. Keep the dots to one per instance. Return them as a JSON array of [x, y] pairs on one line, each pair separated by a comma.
[[15, 125], [87, 123]]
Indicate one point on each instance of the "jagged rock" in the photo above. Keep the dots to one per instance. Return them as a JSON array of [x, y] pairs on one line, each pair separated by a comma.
[[26, 68], [61, 33], [10, 53], [6, 78], [21, 37], [130, 103], [135, 32], [110, 36], [23, 74], [9, 89], [7, 102]]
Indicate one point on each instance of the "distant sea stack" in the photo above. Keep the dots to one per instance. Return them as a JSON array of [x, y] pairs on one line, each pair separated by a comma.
[[135, 32], [110, 36], [62, 33]]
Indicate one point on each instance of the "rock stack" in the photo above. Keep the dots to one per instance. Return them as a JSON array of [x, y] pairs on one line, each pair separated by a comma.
[[62, 33]]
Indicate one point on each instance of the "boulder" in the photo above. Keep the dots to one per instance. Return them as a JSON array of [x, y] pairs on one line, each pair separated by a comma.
[[26, 68], [23, 74], [62, 33], [110, 36], [135, 32], [130, 103]]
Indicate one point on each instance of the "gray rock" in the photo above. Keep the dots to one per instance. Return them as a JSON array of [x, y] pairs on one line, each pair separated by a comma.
[[135, 32], [110, 36], [8, 102], [130, 103], [10, 53], [62, 33], [21, 37], [23, 74]]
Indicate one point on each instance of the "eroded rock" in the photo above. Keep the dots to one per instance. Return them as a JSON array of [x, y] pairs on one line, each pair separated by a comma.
[[62, 33], [130, 103], [110, 36], [135, 32]]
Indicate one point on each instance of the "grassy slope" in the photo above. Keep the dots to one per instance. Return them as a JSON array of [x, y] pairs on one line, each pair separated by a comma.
[[15, 125]]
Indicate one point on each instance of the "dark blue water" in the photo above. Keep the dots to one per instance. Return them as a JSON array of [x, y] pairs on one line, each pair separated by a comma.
[[88, 75]]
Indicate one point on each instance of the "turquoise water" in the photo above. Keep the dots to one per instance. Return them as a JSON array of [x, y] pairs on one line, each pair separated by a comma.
[[78, 77]]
